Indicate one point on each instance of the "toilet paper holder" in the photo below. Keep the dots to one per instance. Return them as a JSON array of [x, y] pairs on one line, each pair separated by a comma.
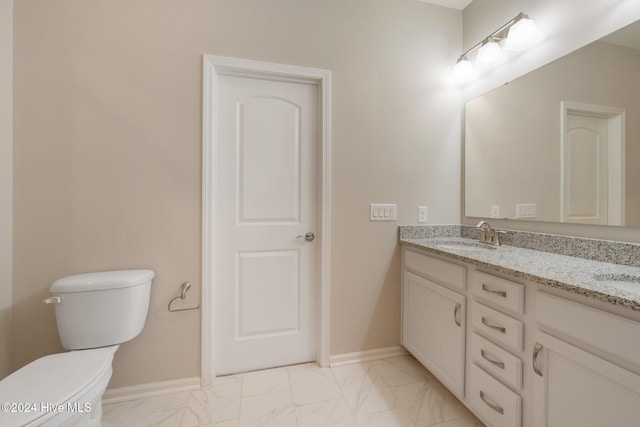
[[183, 294]]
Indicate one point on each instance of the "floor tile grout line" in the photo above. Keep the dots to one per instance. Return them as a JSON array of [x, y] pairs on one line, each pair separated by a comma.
[[357, 408], [184, 411], [344, 398], [395, 398], [394, 406], [241, 379], [270, 391], [293, 401], [397, 405]]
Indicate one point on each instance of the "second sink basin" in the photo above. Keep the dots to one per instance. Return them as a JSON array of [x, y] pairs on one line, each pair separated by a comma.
[[625, 282], [465, 246]]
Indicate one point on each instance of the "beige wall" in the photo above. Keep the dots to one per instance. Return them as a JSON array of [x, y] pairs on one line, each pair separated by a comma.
[[565, 26], [6, 199], [108, 139]]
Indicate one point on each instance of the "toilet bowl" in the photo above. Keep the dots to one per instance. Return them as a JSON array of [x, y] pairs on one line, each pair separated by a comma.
[[95, 313], [62, 389]]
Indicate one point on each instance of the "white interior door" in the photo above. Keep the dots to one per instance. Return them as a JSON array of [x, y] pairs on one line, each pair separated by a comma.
[[266, 184], [585, 170]]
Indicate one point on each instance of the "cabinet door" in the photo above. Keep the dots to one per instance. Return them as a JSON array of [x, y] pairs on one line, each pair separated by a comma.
[[434, 329], [575, 388]]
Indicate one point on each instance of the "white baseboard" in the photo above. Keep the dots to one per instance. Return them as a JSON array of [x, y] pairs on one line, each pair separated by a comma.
[[366, 355], [123, 394]]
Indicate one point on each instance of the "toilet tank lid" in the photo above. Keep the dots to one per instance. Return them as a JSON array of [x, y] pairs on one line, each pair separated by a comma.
[[101, 281]]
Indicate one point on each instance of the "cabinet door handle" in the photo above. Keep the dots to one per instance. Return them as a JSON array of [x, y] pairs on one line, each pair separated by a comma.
[[536, 352], [497, 408], [491, 325], [502, 294], [491, 360], [455, 314]]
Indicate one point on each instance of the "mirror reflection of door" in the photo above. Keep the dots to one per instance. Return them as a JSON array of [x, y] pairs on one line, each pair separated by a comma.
[[592, 169]]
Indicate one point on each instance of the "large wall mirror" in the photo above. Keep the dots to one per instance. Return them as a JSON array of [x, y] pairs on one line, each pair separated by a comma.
[[561, 143]]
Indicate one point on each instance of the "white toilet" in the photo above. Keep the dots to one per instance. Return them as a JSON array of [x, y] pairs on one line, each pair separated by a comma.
[[95, 313]]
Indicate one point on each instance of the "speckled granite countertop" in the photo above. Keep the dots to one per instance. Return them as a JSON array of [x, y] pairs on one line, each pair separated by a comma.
[[606, 281]]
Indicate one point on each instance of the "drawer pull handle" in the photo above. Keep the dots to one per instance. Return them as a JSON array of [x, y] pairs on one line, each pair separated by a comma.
[[455, 314], [491, 360], [502, 294], [536, 352], [493, 406], [498, 328]]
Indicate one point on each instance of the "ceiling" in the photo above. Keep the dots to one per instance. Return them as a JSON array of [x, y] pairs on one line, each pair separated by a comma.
[[453, 4]]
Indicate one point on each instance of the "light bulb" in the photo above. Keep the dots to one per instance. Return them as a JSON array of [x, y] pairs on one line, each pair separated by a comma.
[[522, 34], [463, 71], [490, 54]]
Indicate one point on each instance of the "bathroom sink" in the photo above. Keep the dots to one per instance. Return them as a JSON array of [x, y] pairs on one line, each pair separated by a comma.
[[465, 246], [624, 282]]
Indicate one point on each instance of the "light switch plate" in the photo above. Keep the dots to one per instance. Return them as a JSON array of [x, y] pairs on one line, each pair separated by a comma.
[[383, 212], [526, 210]]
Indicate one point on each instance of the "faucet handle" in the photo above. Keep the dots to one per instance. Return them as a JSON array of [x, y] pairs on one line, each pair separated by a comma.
[[496, 236]]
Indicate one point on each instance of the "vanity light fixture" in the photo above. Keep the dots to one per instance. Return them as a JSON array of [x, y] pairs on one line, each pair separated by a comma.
[[517, 34], [463, 71], [490, 54], [522, 34]]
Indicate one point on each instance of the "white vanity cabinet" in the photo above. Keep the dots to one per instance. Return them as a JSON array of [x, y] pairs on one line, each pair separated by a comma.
[[518, 353], [433, 317], [574, 386]]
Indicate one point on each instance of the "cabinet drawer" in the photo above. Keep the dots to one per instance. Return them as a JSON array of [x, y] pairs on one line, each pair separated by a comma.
[[605, 331], [496, 360], [502, 292], [495, 403], [498, 326], [441, 271]]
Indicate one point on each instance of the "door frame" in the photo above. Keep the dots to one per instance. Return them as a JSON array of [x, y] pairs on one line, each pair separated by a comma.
[[213, 67], [615, 157]]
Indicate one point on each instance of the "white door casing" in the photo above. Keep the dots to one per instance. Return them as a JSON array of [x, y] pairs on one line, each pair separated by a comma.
[[249, 240]]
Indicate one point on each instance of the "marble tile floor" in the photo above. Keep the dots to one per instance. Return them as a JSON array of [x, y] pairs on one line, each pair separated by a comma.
[[384, 393]]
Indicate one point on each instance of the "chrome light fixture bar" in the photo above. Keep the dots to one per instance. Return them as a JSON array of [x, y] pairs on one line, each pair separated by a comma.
[[517, 34]]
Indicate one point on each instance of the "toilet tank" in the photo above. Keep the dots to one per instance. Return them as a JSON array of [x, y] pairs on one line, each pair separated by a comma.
[[101, 309]]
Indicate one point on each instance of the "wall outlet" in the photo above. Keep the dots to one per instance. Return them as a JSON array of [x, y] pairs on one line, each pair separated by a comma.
[[495, 211], [526, 210], [422, 214], [383, 212]]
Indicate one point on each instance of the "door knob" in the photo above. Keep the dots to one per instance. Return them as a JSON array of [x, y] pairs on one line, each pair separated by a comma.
[[308, 237]]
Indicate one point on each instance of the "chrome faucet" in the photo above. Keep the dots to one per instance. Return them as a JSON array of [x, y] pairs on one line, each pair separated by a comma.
[[486, 232], [489, 235]]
